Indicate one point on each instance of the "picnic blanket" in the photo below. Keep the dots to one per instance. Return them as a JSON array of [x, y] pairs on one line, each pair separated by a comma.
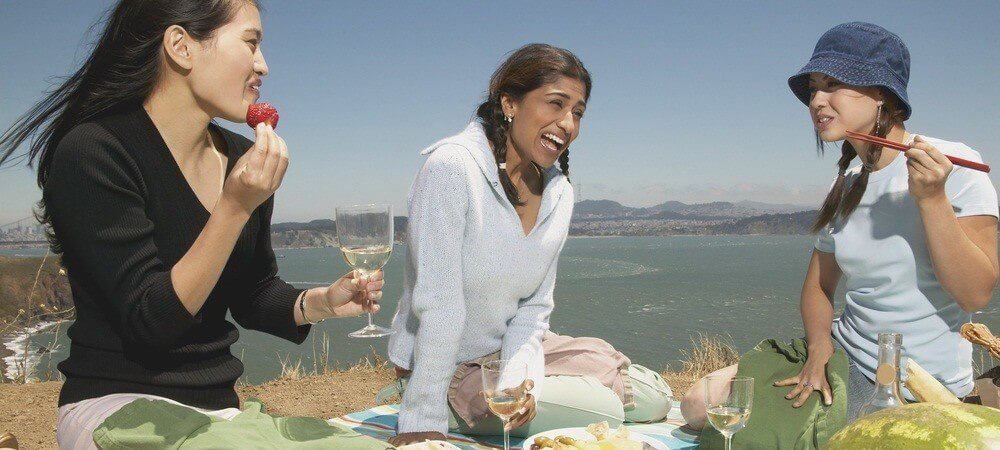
[[380, 422]]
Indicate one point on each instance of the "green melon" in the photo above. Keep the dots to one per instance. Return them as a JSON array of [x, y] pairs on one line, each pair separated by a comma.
[[923, 426]]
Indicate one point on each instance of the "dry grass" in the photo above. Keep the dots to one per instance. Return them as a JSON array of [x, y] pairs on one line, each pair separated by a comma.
[[324, 394], [708, 353], [321, 364]]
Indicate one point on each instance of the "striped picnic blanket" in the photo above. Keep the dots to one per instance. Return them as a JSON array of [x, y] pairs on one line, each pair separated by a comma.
[[380, 422]]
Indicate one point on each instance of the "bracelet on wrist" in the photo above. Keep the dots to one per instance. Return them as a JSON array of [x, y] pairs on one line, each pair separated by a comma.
[[302, 309]]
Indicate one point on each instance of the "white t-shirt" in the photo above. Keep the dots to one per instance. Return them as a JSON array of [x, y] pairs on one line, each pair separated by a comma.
[[890, 281]]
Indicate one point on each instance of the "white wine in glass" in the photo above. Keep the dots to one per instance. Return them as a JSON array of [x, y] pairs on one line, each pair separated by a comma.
[[728, 403], [504, 389], [365, 233], [505, 405], [728, 419], [367, 260]]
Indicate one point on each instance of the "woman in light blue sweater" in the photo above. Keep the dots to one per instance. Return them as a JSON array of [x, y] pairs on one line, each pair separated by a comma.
[[489, 213]]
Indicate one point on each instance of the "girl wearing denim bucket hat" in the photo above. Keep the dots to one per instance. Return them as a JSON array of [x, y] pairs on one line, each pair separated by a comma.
[[913, 236]]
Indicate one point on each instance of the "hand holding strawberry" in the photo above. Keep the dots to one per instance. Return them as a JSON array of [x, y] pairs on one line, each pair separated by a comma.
[[260, 170]]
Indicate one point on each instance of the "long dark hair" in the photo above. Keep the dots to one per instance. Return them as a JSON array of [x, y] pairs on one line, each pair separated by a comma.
[[842, 200], [122, 69], [525, 70]]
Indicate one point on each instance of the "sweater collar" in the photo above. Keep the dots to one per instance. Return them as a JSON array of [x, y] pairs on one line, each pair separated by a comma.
[[473, 138]]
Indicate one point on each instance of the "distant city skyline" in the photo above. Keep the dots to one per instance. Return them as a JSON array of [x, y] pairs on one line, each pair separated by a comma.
[[690, 101]]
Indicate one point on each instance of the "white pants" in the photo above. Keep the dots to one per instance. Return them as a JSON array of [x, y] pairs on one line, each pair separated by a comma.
[[77, 421]]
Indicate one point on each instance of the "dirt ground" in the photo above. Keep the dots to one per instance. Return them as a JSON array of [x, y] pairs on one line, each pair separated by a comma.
[[29, 410]]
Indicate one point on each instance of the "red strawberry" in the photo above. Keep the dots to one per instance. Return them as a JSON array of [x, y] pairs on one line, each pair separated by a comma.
[[262, 112]]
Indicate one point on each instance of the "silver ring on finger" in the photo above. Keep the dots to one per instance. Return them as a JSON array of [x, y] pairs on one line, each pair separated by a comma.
[[807, 384]]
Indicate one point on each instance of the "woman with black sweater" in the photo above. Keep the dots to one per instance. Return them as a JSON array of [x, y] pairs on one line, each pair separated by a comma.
[[163, 217]]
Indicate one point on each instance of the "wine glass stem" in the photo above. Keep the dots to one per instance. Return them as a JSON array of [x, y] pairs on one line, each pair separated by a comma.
[[506, 435], [361, 276], [729, 442]]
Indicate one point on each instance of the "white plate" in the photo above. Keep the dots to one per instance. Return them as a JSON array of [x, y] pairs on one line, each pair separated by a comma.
[[582, 434]]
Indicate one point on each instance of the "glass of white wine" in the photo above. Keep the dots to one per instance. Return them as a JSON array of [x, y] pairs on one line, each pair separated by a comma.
[[728, 403], [503, 387], [365, 233]]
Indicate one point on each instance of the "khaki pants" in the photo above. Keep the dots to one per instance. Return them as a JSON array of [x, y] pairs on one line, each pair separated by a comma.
[[574, 401]]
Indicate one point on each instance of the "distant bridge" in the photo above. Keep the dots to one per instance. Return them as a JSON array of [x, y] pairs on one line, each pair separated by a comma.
[[8, 239]]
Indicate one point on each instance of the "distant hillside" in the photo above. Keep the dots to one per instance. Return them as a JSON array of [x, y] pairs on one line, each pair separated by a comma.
[[603, 209], [610, 218], [318, 224], [600, 208], [777, 208], [318, 233], [794, 223]]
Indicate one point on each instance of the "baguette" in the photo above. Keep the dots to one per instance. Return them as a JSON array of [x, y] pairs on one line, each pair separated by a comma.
[[925, 387]]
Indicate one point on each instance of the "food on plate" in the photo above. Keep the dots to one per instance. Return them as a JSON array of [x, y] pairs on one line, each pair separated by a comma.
[[604, 440]]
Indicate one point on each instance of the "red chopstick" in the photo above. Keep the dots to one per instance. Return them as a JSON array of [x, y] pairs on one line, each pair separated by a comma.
[[903, 147]]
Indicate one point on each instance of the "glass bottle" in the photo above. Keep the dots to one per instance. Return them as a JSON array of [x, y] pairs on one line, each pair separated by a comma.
[[886, 375]]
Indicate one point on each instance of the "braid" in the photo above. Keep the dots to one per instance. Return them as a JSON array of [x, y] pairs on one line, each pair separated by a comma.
[[847, 154], [495, 125], [564, 163], [852, 196], [831, 205]]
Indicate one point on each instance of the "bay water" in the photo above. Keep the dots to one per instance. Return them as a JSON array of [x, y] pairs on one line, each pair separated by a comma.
[[648, 296]]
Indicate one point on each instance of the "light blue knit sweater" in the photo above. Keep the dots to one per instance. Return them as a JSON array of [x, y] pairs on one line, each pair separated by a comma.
[[474, 283]]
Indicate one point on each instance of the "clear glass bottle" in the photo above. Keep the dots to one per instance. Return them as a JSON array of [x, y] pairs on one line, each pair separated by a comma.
[[886, 375]]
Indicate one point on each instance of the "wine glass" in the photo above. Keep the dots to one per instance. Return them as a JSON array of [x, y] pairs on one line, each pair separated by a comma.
[[728, 403], [503, 387], [365, 233]]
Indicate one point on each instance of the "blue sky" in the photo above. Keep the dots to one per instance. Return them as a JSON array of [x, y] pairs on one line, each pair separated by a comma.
[[689, 103]]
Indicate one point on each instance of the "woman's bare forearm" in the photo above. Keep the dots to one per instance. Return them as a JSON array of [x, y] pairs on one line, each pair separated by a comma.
[[817, 319], [816, 303]]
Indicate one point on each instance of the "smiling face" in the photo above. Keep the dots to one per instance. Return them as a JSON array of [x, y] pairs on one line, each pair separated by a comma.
[[226, 70], [546, 120], [836, 107]]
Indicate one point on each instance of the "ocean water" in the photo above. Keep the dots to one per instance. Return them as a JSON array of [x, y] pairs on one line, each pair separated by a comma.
[[648, 296]]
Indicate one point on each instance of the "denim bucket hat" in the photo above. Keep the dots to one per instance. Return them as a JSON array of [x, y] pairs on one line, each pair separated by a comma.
[[858, 54]]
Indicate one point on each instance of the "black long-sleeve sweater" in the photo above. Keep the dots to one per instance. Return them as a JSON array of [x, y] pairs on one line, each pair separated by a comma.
[[123, 215]]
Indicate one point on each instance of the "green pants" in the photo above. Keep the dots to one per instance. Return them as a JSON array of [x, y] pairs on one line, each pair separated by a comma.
[[574, 401], [157, 424]]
